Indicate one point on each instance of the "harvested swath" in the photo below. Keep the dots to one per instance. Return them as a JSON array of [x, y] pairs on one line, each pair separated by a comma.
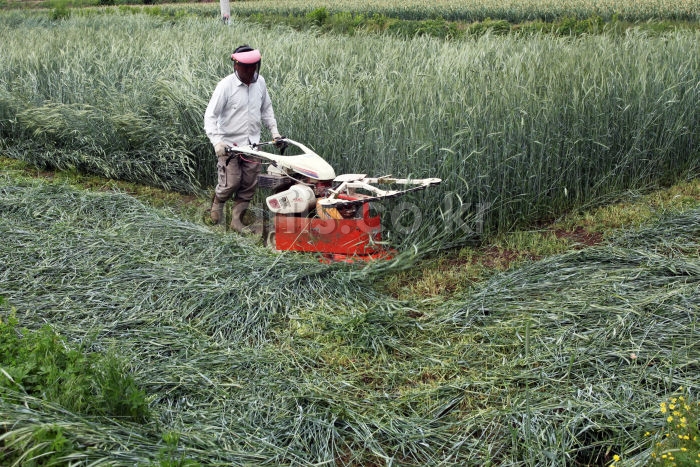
[[80, 261], [279, 421], [537, 363], [590, 340], [675, 232], [94, 259]]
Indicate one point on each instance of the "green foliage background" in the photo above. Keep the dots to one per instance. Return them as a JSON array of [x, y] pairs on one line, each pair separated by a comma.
[[519, 128]]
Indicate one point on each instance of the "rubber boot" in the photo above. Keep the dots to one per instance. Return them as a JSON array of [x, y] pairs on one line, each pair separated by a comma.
[[217, 211], [237, 215]]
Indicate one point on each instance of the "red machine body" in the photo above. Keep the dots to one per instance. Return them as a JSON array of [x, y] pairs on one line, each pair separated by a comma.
[[337, 239]]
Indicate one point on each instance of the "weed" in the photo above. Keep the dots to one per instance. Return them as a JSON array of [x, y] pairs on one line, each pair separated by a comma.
[[169, 456], [680, 444], [677, 443], [40, 364], [318, 16]]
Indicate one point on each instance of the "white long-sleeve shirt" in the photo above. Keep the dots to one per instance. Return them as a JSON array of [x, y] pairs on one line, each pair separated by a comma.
[[236, 112]]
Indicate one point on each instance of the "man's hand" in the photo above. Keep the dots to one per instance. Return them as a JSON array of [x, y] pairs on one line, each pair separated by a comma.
[[280, 143], [220, 149]]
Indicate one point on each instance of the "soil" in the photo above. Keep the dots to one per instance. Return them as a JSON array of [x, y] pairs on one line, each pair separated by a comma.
[[580, 237]]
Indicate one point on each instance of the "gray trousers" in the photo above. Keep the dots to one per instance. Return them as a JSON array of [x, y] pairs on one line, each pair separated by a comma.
[[238, 178]]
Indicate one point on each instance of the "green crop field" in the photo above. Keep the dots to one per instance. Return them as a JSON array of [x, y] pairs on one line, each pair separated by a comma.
[[519, 128], [478, 10], [514, 11], [131, 335]]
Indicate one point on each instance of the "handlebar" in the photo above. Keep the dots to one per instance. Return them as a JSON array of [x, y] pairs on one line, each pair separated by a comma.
[[280, 142]]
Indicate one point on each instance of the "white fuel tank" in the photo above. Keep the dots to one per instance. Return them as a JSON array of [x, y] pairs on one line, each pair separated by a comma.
[[295, 200]]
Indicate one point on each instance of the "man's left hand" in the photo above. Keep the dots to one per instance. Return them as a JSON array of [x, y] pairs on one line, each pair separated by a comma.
[[280, 143]]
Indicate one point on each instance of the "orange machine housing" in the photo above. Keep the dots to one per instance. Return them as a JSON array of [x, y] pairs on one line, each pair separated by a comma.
[[334, 236]]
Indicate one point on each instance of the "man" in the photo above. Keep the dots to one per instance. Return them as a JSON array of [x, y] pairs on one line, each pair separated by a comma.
[[237, 109]]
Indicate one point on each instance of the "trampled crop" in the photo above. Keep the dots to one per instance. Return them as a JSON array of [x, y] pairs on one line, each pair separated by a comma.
[[249, 357]]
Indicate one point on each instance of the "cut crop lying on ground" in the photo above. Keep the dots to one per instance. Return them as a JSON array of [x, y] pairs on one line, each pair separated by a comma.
[[293, 362], [106, 250]]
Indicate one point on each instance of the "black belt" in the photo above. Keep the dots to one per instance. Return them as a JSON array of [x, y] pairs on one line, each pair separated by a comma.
[[235, 154]]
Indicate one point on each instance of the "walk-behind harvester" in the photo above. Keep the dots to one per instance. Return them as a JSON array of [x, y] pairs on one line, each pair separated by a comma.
[[315, 210]]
